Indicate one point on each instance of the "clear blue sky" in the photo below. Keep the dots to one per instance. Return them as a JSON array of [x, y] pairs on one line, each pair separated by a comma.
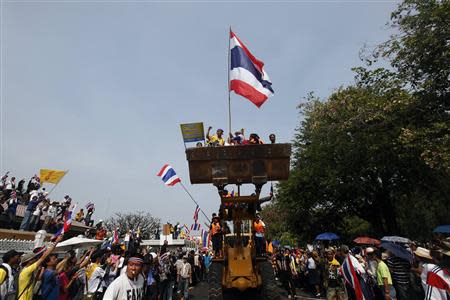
[[100, 88]]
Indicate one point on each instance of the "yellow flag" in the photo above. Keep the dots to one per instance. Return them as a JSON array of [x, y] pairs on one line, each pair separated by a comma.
[[52, 176]]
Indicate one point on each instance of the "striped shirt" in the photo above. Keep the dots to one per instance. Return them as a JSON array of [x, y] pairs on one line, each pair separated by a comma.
[[400, 270]]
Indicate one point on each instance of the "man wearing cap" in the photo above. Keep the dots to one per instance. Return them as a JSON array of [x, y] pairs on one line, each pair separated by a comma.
[[129, 285], [8, 270], [30, 263], [332, 280], [216, 236], [215, 140], [259, 227]]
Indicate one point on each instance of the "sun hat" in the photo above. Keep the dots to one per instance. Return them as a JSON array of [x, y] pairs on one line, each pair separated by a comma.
[[369, 250], [27, 257], [423, 252]]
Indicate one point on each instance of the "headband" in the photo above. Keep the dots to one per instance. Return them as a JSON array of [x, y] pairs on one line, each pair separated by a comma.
[[135, 259]]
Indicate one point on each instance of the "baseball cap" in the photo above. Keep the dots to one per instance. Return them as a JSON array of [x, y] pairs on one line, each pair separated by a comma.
[[10, 254]]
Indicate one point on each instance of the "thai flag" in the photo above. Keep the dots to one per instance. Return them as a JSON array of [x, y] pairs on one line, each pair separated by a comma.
[[205, 238], [116, 236], [195, 226], [168, 175], [90, 205], [67, 223], [352, 277], [186, 229], [247, 75], [197, 209]]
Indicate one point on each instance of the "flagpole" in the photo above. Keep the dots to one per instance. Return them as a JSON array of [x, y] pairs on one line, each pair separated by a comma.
[[195, 201], [57, 183], [228, 72]]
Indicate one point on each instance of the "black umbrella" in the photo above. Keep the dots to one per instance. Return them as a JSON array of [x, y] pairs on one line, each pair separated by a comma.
[[397, 250]]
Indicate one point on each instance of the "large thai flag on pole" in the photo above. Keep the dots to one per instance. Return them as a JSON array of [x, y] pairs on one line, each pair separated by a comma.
[[247, 75], [168, 175]]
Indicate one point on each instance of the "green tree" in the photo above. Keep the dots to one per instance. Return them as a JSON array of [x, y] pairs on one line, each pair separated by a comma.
[[143, 221], [374, 157]]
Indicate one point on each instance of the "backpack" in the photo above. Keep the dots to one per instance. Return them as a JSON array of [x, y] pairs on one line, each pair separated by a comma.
[[10, 295]]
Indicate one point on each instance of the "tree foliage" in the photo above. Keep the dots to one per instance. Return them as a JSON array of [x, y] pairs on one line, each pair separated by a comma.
[[134, 221], [373, 158]]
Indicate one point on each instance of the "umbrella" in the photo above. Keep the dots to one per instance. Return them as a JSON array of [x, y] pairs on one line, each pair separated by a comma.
[[327, 236], [396, 239], [364, 240], [397, 250], [275, 243], [442, 229], [77, 242]]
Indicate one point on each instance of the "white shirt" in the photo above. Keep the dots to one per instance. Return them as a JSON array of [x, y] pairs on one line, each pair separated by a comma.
[[311, 263], [52, 211], [94, 281], [8, 285], [184, 270], [196, 262], [37, 211], [123, 288], [431, 293]]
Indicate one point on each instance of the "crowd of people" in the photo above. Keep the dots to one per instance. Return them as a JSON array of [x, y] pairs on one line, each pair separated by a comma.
[[103, 273], [40, 211], [238, 138], [340, 273]]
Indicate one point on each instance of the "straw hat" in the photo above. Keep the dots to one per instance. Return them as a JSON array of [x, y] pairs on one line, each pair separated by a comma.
[[422, 252]]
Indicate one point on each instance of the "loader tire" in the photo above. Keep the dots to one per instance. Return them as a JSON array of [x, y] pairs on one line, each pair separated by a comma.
[[269, 289], [215, 282]]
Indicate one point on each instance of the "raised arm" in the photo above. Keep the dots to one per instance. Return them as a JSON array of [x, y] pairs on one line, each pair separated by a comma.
[[208, 137], [87, 259], [49, 250], [61, 264]]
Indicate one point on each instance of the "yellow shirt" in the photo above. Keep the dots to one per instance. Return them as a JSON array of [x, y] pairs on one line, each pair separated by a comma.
[[214, 139], [24, 279], [2, 276], [383, 272]]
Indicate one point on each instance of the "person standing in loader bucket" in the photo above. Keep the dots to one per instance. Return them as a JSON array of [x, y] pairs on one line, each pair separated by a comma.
[[259, 227]]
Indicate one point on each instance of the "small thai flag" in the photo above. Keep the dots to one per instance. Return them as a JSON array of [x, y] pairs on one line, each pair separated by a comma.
[[197, 209], [205, 238], [195, 226], [67, 223], [116, 236], [90, 205], [168, 175], [186, 229]]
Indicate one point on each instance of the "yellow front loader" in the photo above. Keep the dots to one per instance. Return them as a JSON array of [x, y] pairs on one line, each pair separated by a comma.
[[240, 271]]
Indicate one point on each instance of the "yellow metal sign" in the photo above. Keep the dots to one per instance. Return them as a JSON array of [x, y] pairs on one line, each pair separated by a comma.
[[192, 132]]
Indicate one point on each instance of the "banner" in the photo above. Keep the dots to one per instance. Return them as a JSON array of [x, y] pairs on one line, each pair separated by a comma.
[[51, 176], [192, 132]]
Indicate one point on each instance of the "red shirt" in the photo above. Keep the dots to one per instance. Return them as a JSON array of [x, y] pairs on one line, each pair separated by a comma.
[[63, 295]]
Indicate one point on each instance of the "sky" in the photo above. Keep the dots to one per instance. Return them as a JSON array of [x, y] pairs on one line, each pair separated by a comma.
[[99, 88]]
